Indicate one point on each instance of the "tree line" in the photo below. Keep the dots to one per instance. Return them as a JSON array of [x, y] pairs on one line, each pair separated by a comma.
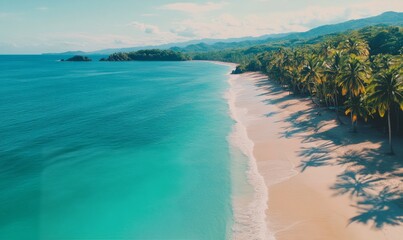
[[148, 55], [345, 72]]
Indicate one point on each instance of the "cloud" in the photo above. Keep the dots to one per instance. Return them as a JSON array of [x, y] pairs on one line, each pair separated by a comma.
[[185, 32], [211, 19], [314, 16], [147, 28], [227, 25], [194, 8]]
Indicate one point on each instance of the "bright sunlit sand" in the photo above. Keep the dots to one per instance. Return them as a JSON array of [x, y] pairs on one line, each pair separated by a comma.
[[317, 171]]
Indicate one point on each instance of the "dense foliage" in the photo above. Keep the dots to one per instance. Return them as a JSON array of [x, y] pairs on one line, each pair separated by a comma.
[[381, 39], [359, 72], [148, 55]]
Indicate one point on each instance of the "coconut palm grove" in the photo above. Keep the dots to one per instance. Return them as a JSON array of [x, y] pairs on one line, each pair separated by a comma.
[[357, 73], [354, 73]]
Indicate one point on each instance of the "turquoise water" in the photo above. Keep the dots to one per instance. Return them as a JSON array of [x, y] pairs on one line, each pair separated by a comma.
[[126, 150]]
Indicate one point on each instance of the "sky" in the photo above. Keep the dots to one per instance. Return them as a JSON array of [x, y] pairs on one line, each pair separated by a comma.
[[38, 26]]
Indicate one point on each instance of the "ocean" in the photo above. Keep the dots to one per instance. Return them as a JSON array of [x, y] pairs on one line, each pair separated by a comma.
[[114, 150]]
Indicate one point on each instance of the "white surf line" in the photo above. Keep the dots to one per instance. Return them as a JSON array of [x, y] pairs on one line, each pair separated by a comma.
[[251, 222]]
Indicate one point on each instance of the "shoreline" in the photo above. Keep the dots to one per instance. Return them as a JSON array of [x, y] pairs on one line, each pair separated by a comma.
[[248, 206], [249, 194], [229, 64], [297, 153]]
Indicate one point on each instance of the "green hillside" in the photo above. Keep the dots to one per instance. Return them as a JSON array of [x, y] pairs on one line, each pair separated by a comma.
[[386, 19]]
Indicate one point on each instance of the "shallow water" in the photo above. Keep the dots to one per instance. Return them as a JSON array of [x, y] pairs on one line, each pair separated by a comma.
[[125, 150]]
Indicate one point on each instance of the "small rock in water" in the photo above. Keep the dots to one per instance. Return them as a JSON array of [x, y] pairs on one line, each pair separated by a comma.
[[78, 58]]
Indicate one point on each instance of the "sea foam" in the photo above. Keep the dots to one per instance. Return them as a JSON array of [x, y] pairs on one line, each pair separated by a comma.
[[249, 208]]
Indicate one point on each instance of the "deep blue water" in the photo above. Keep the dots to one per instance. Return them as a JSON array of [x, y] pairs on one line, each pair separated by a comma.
[[113, 150]]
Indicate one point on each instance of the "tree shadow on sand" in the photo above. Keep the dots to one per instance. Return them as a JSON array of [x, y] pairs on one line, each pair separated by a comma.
[[273, 91], [271, 114], [301, 122], [384, 208], [369, 161], [367, 171], [315, 156], [349, 182]]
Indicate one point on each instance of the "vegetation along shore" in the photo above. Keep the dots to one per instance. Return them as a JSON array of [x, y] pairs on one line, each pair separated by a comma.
[[357, 72], [325, 118]]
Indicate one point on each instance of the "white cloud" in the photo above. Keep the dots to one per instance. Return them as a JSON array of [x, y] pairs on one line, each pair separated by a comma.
[[227, 25], [223, 24], [184, 32], [318, 15], [212, 19], [194, 8], [154, 35], [147, 28]]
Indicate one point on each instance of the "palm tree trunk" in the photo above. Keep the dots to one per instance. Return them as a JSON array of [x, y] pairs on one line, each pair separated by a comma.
[[397, 121], [390, 132], [336, 106], [356, 125], [351, 115], [352, 122]]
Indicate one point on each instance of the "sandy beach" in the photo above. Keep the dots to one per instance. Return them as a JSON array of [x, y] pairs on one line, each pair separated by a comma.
[[322, 181]]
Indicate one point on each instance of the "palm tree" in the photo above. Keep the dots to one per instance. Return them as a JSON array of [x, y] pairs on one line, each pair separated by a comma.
[[387, 89], [277, 65], [383, 61], [333, 68], [293, 71], [312, 74], [355, 47], [354, 75], [326, 50], [294, 75], [358, 106]]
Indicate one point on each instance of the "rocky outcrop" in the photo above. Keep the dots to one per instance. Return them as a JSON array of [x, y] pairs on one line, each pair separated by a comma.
[[78, 58]]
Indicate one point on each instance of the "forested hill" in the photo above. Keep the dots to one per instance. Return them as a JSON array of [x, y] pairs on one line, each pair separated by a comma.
[[147, 55], [387, 19], [380, 39]]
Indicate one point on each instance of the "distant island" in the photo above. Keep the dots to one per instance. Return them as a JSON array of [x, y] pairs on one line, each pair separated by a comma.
[[147, 55], [78, 58]]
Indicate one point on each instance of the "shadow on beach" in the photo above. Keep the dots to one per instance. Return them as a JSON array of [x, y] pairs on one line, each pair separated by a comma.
[[368, 172]]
